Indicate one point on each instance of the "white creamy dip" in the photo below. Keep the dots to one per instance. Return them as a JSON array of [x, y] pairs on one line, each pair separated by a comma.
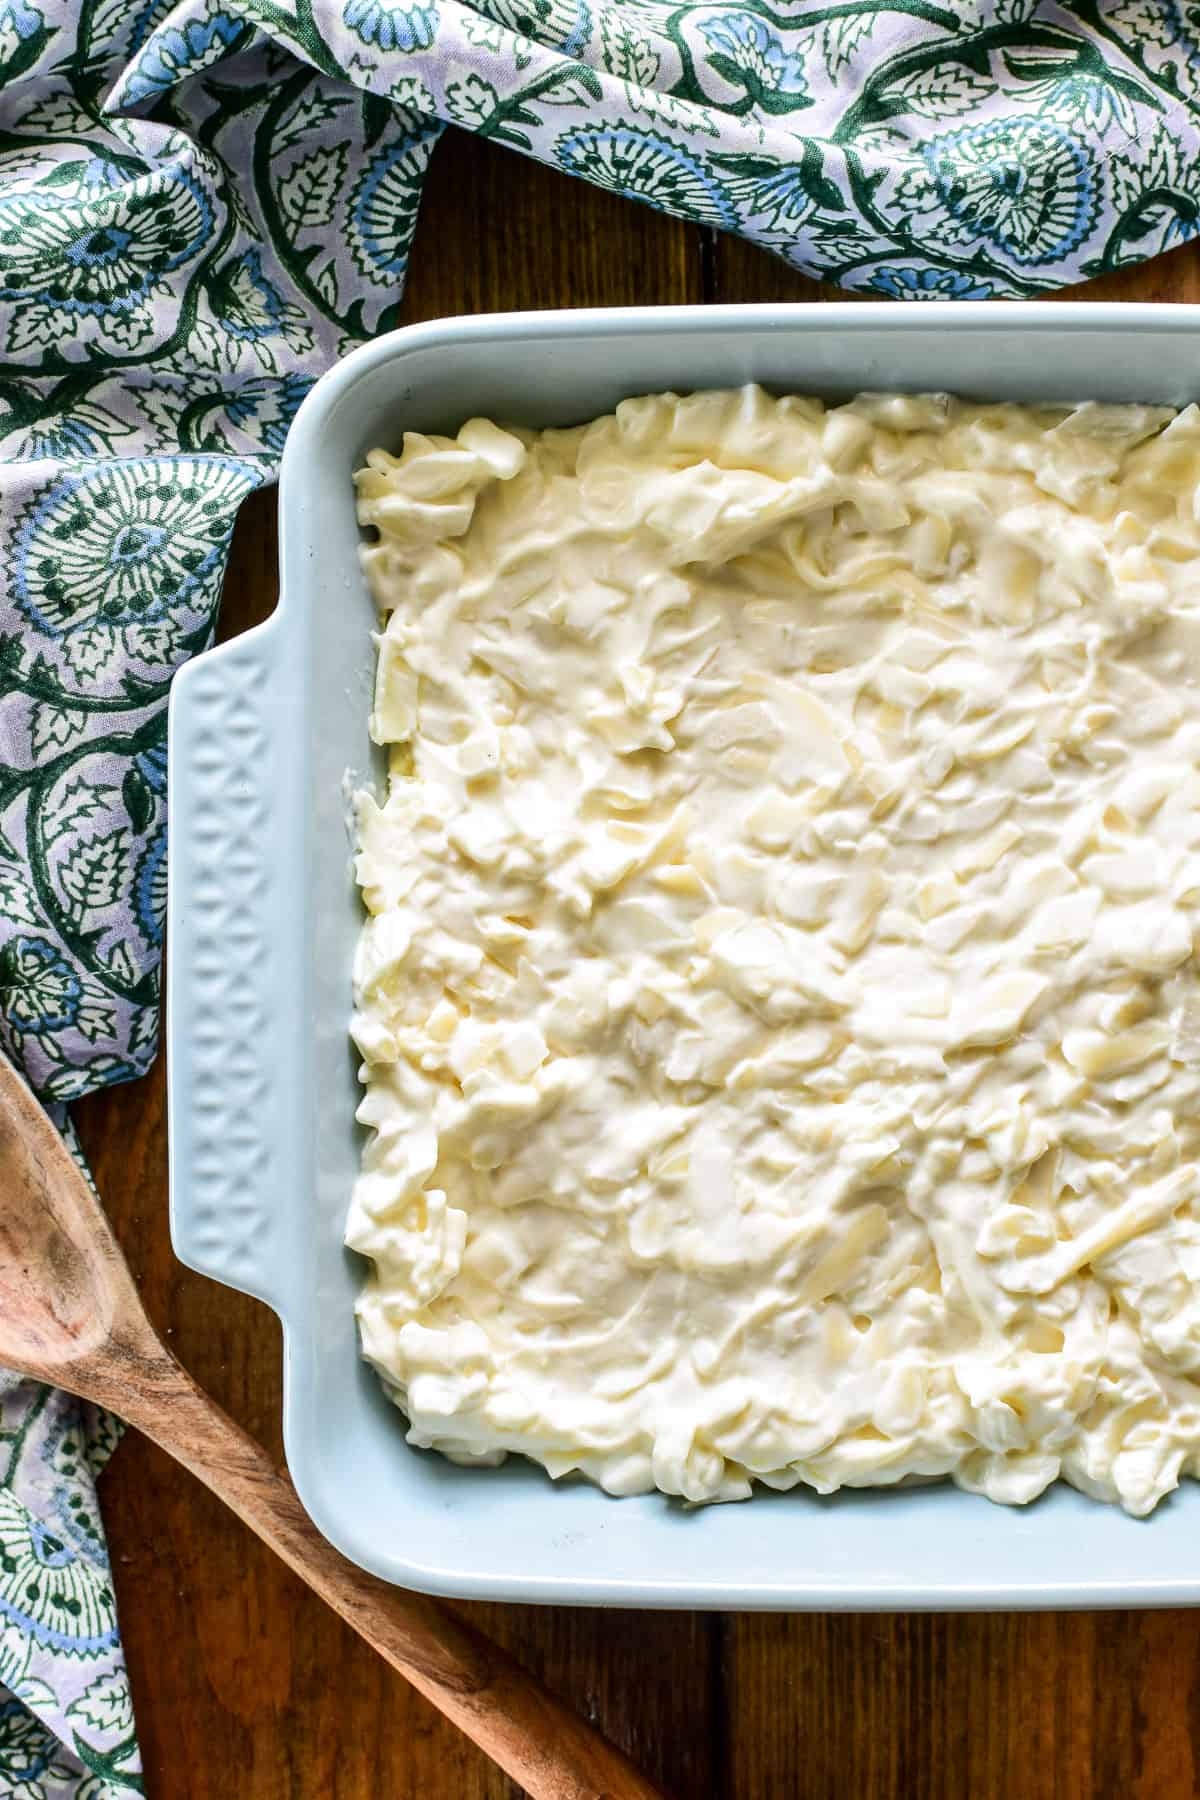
[[780, 1023]]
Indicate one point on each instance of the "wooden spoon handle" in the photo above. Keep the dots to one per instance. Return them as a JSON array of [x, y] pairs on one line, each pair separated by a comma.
[[534, 1738]]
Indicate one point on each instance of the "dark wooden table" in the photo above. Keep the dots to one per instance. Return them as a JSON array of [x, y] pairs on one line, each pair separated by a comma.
[[247, 1689]]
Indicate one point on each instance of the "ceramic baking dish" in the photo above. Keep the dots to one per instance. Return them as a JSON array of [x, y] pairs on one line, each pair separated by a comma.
[[265, 733]]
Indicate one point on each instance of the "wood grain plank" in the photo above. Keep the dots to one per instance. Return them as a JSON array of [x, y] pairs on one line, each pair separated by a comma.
[[246, 1687], [1046, 1706]]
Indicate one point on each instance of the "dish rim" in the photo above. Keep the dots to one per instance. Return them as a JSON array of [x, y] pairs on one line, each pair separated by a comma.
[[272, 644]]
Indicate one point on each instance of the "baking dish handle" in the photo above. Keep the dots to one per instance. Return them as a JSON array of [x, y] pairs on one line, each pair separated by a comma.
[[230, 924]]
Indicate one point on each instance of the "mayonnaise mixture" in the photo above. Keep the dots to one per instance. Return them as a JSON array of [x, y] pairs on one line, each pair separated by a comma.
[[778, 1004]]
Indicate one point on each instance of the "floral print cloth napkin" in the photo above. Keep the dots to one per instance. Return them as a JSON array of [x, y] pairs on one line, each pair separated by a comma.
[[200, 206]]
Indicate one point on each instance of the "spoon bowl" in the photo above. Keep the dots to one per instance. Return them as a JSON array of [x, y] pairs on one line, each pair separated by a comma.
[[64, 1286]]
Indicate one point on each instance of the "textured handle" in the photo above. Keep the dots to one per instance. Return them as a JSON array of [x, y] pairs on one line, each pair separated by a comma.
[[233, 933]]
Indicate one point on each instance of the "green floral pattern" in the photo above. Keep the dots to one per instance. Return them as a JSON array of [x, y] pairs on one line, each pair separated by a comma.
[[202, 203], [66, 1723]]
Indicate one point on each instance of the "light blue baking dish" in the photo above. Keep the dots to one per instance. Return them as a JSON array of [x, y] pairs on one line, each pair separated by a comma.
[[263, 916]]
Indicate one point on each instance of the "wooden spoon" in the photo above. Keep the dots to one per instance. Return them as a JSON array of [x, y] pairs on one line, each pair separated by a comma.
[[70, 1315]]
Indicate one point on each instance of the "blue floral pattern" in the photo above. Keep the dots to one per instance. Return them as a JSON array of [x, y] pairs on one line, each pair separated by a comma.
[[50, 1592], [563, 24], [1027, 187], [202, 203], [103, 257], [644, 165], [267, 408], [131, 545], [22, 20], [391, 26], [930, 284], [40, 991], [31, 1760], [745, 50], [383, 205], [185, 51], [66, 1724], [246, 304], [150, 890]]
